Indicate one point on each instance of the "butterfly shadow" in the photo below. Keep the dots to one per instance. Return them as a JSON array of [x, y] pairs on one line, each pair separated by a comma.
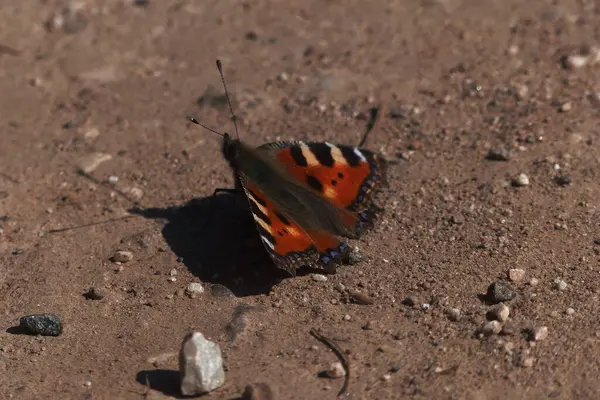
[[216, 238]]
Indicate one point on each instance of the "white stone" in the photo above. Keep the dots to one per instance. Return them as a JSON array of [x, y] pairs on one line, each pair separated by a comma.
[[200, 365], [194, 289], [319, 277], [516, 274]]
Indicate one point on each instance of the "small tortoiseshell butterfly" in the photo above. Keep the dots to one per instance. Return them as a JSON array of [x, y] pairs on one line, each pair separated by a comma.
[[305, 195]]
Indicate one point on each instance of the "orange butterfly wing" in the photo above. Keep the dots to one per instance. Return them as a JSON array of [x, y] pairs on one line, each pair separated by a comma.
[[345, 175], [289, 245]]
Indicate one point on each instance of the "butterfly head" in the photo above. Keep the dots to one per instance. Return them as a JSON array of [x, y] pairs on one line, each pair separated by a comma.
[[231, 150]]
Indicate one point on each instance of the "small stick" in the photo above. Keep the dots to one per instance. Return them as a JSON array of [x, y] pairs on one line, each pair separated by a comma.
[[339, 353]]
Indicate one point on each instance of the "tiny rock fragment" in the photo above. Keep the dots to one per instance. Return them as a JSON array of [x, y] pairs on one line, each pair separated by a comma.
[[534, 281], [319, 277], [136, 193], [258, 391], [113, 179], [336, 370], [409, 301], [92, 161], [122, 256], [200, 365], [499, 292], [520, 180], [562, 180], [369, 325], [527, 362], [575, 61], [42, 324], [539, 333], [501, 312], [491, 328], [559, 284], [92, 133], [498, 154], [508, 329], [453, 314], [569, 311], [516, 274], [95, 293], [355, 256], [359, 298], [565, 107], [194, 289]]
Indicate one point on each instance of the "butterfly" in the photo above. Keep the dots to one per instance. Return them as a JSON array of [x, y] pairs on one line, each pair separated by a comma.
[[304, 196]]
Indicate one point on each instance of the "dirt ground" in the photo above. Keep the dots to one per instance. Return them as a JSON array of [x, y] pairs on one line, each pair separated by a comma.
[[457, 79]]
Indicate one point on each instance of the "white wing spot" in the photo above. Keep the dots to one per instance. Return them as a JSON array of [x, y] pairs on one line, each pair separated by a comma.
[[360, 155], [267, 242]]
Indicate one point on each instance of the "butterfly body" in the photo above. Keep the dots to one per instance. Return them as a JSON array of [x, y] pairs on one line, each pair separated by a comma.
[[304, 195]]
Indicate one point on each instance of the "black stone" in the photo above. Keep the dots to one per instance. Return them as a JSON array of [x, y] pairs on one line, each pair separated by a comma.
[[498, 154], [499, 292], [42, 324]]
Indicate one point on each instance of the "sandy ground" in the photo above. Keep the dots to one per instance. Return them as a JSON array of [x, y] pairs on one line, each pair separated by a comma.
[[458, 78]]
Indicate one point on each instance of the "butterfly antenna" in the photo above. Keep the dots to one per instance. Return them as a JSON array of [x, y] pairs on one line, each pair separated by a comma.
[[233, 117], [374, 118], [195, 121]]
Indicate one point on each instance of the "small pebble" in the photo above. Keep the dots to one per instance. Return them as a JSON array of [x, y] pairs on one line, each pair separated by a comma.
[[42, 324], [538, 334], [336, 370], [359, 298], [566, 107], [491, 328], [386, 377], [355, 256], [562, 180], [95, 293], [453, 314], [575, 61], [499, 292], [194, 289], [319, 277], [368, 326], [520, 180], [559, 284], [528, 362], [516, 274], [569, 311], [409, 301], [534, 281], [87, 383], [258, 391], [498, 154], [172, 279], [135, 192], [508, 329], [200, 365], [122, 256], [173, 272], [501, 313], [347, 317], [113, 179]]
